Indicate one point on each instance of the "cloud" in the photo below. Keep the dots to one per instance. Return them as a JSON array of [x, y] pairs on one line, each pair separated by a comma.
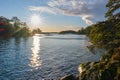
[[42, 9], [89, 10]]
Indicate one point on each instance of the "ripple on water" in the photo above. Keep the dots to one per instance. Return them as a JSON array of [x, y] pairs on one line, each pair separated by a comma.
[[37, 58]]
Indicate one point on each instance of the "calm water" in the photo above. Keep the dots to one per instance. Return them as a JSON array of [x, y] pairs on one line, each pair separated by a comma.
[[43, 57]]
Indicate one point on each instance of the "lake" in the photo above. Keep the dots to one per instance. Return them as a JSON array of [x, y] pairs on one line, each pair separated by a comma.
[[43, 57]]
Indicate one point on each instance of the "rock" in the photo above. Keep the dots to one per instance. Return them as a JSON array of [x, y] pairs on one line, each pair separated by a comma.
[[77, 77], [68, 77]]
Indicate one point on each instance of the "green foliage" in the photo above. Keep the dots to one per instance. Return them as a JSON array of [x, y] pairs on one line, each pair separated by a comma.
[[103, 33], [113, 5], [106, 35], [87, 30], [15, 19], [81, 31], [22, 32], [36, 31], [4, 19], [15, 30], [68, 32]]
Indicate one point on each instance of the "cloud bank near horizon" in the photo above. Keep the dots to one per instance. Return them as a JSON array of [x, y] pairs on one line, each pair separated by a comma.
[[90, 11]]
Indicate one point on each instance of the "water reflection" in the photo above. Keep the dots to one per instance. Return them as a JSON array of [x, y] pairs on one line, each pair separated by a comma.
[[35, 59]]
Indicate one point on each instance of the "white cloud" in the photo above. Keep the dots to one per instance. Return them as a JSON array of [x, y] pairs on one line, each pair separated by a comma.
[[89, 10], [42, 9]]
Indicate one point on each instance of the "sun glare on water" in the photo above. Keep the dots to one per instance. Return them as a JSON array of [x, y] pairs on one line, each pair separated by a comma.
[[35, 60]]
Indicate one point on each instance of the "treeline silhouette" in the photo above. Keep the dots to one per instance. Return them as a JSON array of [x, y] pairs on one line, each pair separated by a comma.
[[15, 28], [81, 31]]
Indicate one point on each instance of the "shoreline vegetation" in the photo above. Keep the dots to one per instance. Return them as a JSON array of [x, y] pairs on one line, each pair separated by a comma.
[[15, 28], [103, 35]]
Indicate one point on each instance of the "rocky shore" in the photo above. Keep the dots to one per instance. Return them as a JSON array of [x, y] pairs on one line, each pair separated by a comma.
[[104, 34], [107, 68]]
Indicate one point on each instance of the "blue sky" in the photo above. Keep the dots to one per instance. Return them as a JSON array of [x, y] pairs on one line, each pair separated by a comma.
[[57, 15]]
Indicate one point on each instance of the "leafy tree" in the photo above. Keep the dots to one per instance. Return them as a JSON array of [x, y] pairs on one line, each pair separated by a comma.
[[106, 34], [81, 31], [8, 30], [113, 9], [3, 19], [36, 31], [102, 33], [68, 32], [22, 32], [15, 19]]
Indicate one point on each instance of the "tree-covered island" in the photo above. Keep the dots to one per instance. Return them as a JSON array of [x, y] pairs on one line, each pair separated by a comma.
[[15, 28]]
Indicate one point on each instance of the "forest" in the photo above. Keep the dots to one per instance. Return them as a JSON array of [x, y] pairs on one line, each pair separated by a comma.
[[105, 35], [15, 28]]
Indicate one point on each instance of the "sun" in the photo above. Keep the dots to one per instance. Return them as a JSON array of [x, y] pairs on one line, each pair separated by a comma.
[[36, 20]]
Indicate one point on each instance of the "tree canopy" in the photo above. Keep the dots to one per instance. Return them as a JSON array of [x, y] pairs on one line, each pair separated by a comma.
[[113, 9]]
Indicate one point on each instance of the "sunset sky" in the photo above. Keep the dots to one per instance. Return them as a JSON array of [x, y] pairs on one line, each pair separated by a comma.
[[56, 15]]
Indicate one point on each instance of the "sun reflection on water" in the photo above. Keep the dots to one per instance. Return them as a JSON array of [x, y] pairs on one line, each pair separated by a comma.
[[35, 59]]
